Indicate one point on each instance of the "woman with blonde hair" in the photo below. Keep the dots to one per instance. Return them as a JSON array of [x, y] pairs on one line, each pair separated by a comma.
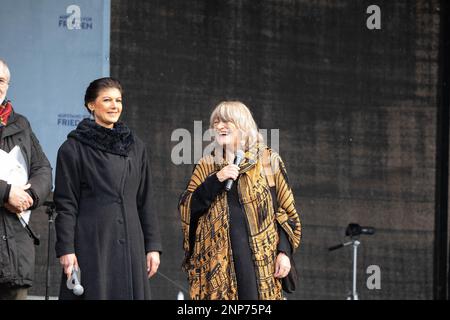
[[237, 242]]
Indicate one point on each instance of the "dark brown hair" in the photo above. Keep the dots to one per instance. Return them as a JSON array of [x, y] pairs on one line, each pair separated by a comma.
[[98, 85]]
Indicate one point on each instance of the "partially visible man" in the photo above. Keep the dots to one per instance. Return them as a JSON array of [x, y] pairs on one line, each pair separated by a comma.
[[16, 245]]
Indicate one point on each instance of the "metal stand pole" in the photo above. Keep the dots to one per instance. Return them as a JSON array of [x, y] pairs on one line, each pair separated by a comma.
[[355, 244], [50, 210], [354, 230]]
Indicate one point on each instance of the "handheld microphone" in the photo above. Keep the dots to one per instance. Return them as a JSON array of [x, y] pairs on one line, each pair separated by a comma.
[[73, 283], [237, 161]]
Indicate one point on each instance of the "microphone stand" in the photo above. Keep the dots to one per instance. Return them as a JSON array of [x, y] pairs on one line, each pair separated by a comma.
[[50, 211], [355, 243]]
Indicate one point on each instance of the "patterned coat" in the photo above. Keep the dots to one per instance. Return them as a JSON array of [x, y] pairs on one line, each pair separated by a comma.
[[208, 261]]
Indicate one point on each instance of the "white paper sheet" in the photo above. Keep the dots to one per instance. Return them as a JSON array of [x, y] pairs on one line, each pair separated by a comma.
[[13, 170]]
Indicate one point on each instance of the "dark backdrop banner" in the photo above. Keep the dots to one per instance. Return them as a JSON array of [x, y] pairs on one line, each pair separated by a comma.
[[355, 108]]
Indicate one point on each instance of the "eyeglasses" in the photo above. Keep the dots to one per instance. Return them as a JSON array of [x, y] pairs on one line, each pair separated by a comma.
[[3, 82]]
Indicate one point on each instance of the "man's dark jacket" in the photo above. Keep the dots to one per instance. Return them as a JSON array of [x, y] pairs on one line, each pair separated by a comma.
[[16, 246]]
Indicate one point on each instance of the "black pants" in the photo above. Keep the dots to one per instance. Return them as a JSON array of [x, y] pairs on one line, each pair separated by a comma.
[[13, 293]]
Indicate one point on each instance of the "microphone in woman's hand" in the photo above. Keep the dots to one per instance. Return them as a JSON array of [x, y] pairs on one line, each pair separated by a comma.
[[73, 283], [237, 161]]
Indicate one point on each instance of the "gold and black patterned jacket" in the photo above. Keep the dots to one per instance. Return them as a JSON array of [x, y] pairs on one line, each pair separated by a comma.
[[209, 261]]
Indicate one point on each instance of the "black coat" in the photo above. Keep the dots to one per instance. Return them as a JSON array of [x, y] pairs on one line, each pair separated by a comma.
[[104, 211], [16, 247]]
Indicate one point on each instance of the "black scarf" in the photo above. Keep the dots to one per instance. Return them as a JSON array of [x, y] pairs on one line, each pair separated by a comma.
[[118, 140]]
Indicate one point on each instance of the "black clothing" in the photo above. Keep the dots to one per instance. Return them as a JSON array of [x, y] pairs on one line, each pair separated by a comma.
[[13, 293], [105, 215], [16, 247], [118, 140], [242, 254]]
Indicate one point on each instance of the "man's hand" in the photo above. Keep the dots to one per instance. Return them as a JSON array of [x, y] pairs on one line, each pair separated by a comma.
[[10, 208], [19, 200], [152, 263]]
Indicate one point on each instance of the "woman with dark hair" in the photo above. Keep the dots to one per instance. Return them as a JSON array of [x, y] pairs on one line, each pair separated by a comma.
[[106, 226]]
